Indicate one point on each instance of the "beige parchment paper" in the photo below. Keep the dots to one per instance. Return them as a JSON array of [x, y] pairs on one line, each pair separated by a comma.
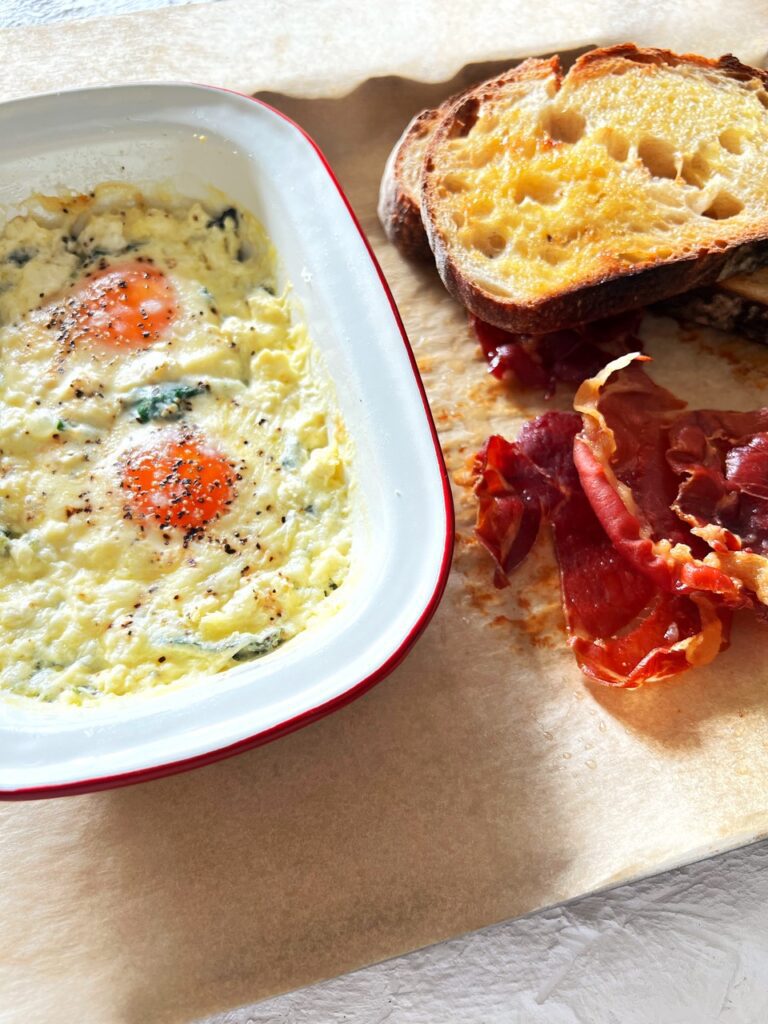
[[482, 780]]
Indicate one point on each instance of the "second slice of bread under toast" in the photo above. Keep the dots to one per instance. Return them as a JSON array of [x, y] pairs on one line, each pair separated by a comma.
[[400, 192], [552, 200], [738, 305]]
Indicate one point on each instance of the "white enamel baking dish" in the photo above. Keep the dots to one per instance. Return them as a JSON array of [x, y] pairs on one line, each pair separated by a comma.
[[196, 137]]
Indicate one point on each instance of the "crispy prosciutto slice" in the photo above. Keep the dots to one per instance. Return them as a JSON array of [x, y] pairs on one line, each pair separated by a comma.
[[682, 494], [659, 515], [538, 361], [722, 460], [623, 627], [514, 493]]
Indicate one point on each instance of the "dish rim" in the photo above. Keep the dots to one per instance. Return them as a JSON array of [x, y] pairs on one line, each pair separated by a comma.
[[308, 716]]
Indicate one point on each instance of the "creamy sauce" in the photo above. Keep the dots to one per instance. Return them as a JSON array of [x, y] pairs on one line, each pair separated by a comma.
[[174, 497]]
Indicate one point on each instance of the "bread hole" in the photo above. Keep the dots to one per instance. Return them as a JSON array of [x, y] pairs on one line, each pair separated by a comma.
[[553, 255], [497, 242], [695, 170], [454, 183], [490, 245], [723, 206], [538, 188], [658, 155], [732, 140], [423, 130], [501, 288], [564, 125], [762, 96], [483, 207], [482, 156], [464, 118], [616, 144]]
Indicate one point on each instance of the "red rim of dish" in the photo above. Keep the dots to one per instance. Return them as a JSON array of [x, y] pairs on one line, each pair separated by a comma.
[[313, 714]]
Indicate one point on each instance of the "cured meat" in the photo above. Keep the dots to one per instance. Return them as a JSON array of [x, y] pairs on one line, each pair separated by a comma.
[[682, 494], [514, 497], [538, 361], [723, 461], [623, 628], [659, 516]]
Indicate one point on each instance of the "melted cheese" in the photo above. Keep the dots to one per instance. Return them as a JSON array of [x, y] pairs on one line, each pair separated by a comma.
[[93, 601]]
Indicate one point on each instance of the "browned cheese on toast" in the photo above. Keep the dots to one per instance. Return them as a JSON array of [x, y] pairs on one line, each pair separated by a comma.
[[554, 199]]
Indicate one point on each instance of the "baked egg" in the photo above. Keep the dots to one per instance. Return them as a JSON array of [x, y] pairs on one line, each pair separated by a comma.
[[174, 484]]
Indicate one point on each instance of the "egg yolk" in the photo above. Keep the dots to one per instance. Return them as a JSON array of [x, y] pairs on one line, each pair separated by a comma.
[[177, 481], [124, 307]]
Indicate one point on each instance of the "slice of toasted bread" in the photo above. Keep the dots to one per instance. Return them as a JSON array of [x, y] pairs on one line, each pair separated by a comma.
[[400, 193], [552, 200]]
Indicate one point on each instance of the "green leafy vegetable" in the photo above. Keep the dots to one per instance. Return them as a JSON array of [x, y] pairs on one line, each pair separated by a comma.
[[245, 646], [20, 256], [256, 648], [164, 401], [90, 256], [87, 690], [230, 214]]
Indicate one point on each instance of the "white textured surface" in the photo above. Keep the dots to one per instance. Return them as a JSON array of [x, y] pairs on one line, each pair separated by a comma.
[[321, 49], [687, 947], [16, 13]]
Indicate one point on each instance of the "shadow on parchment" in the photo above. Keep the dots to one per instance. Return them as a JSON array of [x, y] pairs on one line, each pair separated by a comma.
[[403, 819], [407, 817], [679, 712]]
